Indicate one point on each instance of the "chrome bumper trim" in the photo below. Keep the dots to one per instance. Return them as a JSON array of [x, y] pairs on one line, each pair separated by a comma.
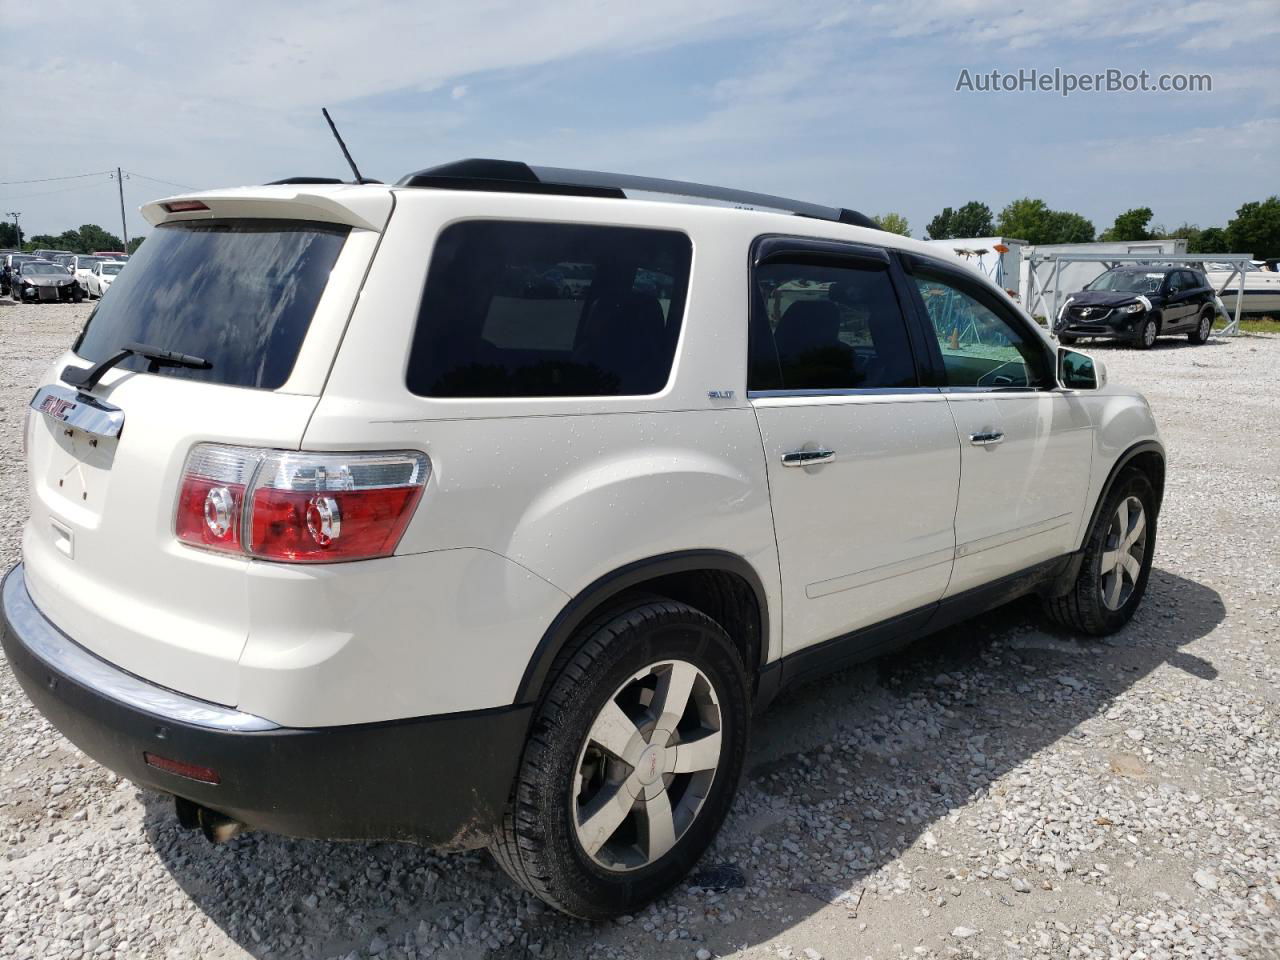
[[64, 656]]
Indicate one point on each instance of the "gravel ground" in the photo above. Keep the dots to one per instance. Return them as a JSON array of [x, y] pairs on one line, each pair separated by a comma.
[[1002, 790]]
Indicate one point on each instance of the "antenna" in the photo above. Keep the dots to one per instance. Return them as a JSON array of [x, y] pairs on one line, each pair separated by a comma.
[[345, 152]]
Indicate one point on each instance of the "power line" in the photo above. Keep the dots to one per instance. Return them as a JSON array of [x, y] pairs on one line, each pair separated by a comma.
[[47, 193], [167, 183], [74, 176]]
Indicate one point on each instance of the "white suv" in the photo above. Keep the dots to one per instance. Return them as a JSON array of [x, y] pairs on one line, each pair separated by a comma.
[[351, 518]]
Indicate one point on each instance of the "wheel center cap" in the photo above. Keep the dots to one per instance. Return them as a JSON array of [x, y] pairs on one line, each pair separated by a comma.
[[652, 765]]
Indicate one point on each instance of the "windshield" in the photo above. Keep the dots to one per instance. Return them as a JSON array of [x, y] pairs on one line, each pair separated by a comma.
[[44, 269], [86, 263], [1128, 281], [239, 293], [111, 269]]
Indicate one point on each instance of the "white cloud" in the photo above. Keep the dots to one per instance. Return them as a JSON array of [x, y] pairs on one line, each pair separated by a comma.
[[825, 98]]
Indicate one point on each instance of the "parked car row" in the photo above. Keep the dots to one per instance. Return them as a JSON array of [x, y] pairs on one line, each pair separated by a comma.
[[72, 277]]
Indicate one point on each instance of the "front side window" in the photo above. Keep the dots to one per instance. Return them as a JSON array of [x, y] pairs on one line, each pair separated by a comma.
[[549, 310], [980, 347], [828, 327]]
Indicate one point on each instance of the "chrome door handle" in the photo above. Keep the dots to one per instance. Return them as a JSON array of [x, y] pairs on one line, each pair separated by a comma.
[[807, 458], [986, 439]]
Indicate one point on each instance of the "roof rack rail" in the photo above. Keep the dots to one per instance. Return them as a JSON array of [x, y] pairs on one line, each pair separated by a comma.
[[512, 176], [291, 181]]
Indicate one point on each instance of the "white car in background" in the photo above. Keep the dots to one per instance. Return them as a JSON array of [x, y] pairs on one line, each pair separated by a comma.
[[81, 266], [99, 278]]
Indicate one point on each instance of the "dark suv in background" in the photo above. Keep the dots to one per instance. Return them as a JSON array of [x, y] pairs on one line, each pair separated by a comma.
[[1138, 304]]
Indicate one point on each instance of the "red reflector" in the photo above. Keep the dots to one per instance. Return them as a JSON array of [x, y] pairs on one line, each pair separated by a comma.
[[179, 769], [180, 206], [371, 523]]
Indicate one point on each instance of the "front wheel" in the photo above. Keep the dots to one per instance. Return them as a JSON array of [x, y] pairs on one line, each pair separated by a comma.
[[1117, 561], [1147, 334], [1067, 341], [633, 761], [1203, 329]]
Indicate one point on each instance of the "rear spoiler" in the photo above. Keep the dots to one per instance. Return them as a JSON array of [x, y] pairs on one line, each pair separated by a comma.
[[363, 207]]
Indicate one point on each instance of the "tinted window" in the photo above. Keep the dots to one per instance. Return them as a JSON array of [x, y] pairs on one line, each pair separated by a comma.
[[240, 294], [980, 346], [823, 327], [549, 310]]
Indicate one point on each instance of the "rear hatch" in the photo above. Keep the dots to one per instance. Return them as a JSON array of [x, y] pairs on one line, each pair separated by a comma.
[[259, 288]]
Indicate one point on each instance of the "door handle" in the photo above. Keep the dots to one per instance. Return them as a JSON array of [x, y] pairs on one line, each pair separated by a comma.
[[807, 458], [986, 439]]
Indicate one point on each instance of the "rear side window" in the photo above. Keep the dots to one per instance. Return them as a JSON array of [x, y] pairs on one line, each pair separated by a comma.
[[549, 310], [828, 327], [240, 294]]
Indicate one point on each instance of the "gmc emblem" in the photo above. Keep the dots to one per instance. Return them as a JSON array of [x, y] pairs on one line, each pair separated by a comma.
[[57, 407]]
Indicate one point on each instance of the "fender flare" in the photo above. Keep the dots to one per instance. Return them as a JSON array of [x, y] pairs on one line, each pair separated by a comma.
[[577, 610]]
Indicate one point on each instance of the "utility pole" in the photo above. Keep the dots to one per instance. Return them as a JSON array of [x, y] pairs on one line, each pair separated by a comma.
[[15, 214], [124, 229]]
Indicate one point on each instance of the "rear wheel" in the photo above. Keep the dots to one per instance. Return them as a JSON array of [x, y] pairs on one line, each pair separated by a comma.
[[1067, 341], [632, 764], [1203, 329], [1117, 561]]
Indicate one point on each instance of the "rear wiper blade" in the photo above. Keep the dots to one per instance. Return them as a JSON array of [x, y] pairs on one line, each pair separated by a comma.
[[86, 378]]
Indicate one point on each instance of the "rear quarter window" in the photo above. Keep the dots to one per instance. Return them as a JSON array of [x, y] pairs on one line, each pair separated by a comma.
[[238, 293], [517, 309]]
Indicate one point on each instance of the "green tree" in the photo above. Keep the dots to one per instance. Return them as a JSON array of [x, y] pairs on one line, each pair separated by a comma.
[[971, 220], [134, 244], [8, 236], [93, 237], [41, 241], [1256, 229], [1031, 220], [1130, 225], [940, 228], [1070, 227], [894, 223], [1210, 240]]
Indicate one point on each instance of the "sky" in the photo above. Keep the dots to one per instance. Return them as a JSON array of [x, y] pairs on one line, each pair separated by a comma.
[[849, 104]]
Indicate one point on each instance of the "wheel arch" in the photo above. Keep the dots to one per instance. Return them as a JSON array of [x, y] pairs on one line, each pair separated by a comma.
[[1148, 456], [723, 581]]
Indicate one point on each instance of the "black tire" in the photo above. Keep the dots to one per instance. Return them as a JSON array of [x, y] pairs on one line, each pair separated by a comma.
[[1082, 608], [1145, 338], [1204, 328], [1067, 341], [539, 843]]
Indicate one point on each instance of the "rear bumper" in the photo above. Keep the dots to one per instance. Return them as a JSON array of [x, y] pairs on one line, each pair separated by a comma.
[[442, 781]]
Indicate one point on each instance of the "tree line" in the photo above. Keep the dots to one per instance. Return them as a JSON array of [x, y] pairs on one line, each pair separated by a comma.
[[87, 239], [1254, 229]]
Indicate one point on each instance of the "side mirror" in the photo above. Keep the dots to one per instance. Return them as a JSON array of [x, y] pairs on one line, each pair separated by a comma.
[[1079, 371]]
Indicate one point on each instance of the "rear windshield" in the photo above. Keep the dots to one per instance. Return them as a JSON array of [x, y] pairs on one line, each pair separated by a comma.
[[549, 310], [239, 293]]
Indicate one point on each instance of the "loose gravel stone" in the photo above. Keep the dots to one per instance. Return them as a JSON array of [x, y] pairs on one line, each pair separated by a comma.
[[1044, 794]]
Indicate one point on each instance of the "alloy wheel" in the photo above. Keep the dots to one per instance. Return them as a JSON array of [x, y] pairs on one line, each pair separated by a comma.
[[647, 765], [1149, 333], [1124, 548]]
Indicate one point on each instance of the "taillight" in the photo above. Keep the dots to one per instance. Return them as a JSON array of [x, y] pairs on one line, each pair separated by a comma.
[[298, 507], [211, 500]]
